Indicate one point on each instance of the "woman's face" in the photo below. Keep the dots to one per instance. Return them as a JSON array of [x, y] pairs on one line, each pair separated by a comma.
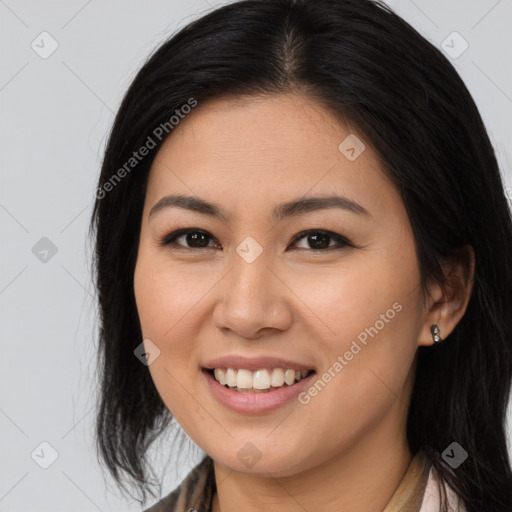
[[242, 291]]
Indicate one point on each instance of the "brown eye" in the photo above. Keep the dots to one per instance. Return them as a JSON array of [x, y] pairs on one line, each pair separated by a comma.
[[319, 240], [194, 238], [190, 239]]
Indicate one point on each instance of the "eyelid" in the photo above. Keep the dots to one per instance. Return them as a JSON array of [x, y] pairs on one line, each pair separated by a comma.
[[169, 239], [339, 238]]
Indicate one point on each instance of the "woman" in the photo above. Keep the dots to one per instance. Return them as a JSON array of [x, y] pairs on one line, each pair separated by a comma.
[[304, 257]]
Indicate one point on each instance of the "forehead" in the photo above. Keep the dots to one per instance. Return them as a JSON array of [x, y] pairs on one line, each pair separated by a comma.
[[269, 149]]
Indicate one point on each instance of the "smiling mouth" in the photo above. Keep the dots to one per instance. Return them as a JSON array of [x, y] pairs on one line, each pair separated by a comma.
[[260, 381]]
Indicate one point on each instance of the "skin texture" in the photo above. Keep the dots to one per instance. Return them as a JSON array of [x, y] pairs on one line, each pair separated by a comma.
[[248, 155]]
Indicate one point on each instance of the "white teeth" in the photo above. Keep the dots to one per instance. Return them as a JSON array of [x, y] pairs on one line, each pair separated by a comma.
[[258, 381], [261, 379], [244, 379], [231, 378], [277, 378], [289, 377], [220, 375]]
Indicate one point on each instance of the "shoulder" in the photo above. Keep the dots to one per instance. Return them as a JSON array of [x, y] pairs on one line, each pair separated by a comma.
[[194, 493], [433, 493]]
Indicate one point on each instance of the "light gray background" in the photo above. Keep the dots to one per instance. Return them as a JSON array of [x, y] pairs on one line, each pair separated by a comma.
[[55, 114]]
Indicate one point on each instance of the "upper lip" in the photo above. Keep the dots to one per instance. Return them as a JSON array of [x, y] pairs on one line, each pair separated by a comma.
[[254, 363]]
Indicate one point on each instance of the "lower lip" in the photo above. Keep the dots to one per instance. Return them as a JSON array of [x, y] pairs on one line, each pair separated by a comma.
[[253, 403]]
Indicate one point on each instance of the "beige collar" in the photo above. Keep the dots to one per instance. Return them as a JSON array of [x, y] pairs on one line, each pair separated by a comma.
[[409, 493]]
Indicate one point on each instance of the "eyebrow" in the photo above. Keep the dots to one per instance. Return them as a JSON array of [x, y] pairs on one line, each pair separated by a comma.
[[289, 209]]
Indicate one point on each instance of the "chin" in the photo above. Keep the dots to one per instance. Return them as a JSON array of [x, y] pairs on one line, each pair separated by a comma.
[[262, 461]]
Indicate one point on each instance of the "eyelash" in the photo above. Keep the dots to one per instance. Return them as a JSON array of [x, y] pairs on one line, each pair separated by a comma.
[[170, 238]]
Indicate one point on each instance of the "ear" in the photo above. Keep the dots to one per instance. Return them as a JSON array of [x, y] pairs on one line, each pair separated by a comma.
[[447, 304]]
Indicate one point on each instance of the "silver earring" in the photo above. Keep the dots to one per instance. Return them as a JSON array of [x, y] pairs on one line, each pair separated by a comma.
[[434, 329]]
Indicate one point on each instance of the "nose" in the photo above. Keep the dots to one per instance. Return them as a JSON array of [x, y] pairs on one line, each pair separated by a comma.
[[254, 301]]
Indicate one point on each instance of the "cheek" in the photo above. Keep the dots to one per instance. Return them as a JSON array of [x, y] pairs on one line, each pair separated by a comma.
[[371, 310], [168, 301], [166, 294], [365, 298], [371, 359]]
